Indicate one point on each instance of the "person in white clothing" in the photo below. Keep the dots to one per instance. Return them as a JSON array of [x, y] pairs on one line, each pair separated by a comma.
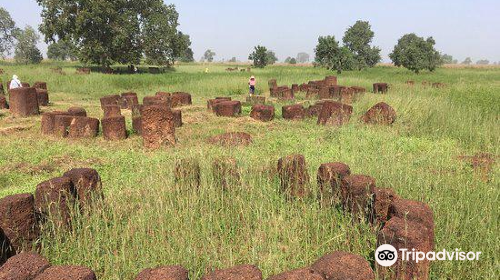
[[15, 83]]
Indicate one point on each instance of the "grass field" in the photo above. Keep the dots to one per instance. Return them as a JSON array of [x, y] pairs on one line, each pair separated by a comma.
[[149, 220]]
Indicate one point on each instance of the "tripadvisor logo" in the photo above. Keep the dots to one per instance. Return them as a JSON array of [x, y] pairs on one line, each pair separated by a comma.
[[387, 255]]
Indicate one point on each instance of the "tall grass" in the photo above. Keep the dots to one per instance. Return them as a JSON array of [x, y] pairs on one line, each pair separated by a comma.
[[150, 220]]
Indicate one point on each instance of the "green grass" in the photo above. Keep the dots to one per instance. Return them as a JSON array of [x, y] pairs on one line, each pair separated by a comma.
[[149, 220]]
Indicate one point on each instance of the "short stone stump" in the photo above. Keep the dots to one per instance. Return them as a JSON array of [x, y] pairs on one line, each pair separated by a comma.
[[264, 113], [343, 265], [380, 113], [114, 128], [18, 220], [334, 113], [110, 100], [293, 112], [158, 127], [294, 178], [240, 272], [83, 127], [227, 109]]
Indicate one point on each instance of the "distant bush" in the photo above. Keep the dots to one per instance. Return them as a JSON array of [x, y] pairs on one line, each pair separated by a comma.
[[290, 60], [467, 61]]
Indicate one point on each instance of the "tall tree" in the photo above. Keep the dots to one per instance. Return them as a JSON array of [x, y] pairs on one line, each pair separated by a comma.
[[357, 39], [332, 56], [260, 57], [416, 53], [302, 57], [209, 55], [8, 32], [162, 42], [114, 31], [26, 51], [62, 50]]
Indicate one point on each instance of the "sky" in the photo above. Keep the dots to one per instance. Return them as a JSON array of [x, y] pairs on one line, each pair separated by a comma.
[[232, 28]]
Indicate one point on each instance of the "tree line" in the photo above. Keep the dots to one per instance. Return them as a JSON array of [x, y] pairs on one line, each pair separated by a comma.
[[130, 32]]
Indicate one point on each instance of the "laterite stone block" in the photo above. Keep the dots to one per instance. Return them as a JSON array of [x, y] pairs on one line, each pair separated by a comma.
[[158, 127], [357, 194], [77, 112], [67, 272], [263, 113], [380, 113], [292, 171], [225, 173], [128, 100], [227, 109], [114, 128], [24, 266], [111, 111], [83, 127], [298, 274], [241, 272], [329, 178], [174, 272], [23, 102], [18, 220], [293, 112], [110, 100], [380, 88], [334, 113], [54, 199], [87, 185], [343, 265], [402, 233], [43, 97]]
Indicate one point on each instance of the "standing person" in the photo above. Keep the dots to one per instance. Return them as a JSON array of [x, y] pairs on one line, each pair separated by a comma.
[[252, 82], [15, 83]]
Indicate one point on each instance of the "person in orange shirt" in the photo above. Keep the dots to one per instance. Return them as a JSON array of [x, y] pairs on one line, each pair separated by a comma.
[[252, 82]]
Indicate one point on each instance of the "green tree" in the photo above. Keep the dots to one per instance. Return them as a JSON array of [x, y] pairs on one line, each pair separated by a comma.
[[209, 55], [163, 44], [467, 61], [26, 51], [115, 31], [233, 59], [357, 39], [416, 53], [302, 57], [260, 57], [8, 33], [332, 56], [447, 59], [62, 50], [271, 57]]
